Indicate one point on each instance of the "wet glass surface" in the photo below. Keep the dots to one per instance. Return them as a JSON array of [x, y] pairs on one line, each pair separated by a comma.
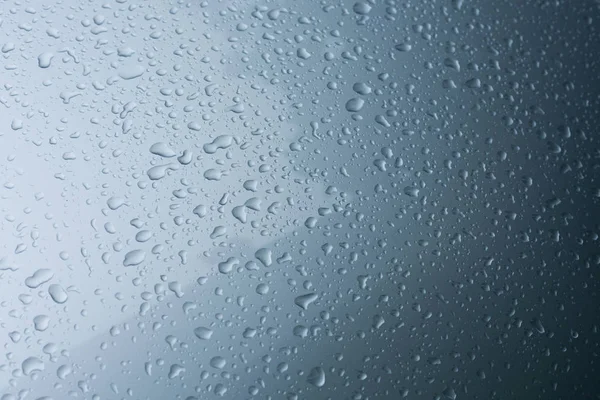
[[299, 199]]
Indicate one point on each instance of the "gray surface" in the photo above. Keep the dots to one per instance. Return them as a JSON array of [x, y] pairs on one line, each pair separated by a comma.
[[445, 224]]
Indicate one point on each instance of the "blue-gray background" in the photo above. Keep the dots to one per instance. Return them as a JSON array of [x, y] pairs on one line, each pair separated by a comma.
[[299, 199]]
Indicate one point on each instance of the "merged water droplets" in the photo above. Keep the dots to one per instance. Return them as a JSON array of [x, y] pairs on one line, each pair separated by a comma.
[[57, 293], [39, 277], [134, 257], [316, 377]]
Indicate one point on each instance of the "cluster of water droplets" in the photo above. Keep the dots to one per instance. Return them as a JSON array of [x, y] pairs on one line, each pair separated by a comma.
[[298, 200]]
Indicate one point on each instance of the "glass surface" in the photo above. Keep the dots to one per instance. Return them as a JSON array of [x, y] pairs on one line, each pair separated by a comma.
[[299, 200]]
